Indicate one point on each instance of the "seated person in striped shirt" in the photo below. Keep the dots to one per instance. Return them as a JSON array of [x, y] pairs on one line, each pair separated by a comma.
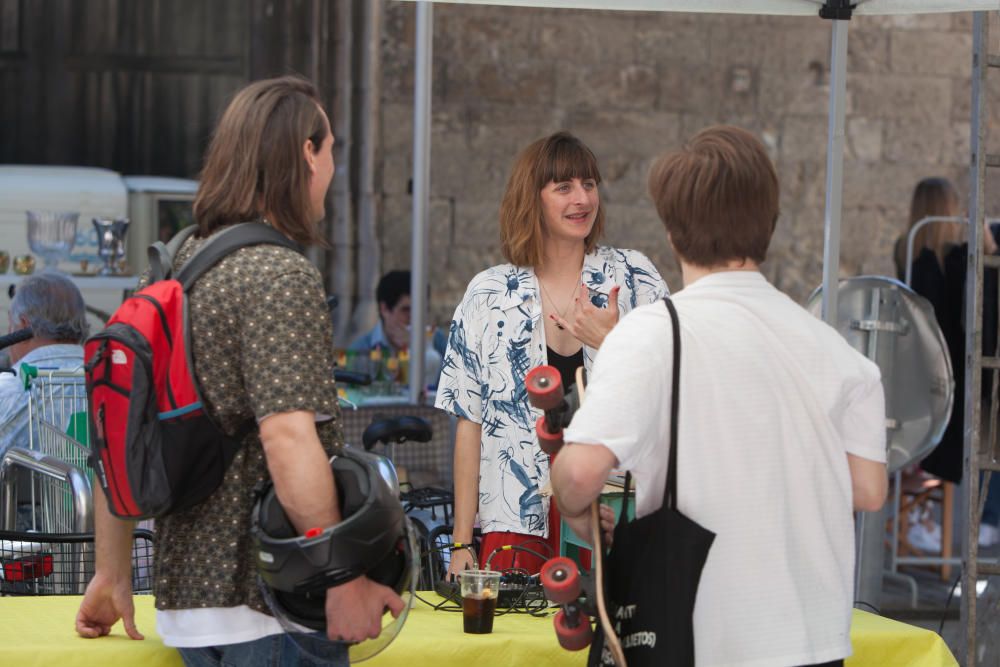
[[391, 334]]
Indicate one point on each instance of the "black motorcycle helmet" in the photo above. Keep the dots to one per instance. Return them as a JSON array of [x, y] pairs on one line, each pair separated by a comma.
[[374, 538]]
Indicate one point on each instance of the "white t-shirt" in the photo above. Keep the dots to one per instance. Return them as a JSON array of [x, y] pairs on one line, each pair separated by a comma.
[[218, 626], [772, 400], [214, 626]]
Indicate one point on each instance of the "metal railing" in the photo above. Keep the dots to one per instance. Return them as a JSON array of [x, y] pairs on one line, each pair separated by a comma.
[[59, 498]]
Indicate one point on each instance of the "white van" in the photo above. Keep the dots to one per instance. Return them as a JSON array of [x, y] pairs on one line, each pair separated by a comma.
[[156, 206]]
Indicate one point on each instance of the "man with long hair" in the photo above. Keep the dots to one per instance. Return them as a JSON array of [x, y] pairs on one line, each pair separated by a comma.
[[263, 352]]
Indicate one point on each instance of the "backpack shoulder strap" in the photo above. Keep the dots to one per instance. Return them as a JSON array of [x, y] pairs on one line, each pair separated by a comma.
[[227, 241], [161, 255]]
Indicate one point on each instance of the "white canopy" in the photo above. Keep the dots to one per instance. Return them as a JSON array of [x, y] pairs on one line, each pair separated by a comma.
[[868, 581], [835, 138], [786, 7]]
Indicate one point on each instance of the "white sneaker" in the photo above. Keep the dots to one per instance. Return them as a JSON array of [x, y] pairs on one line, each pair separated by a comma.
[[988, 535], [924, 537]]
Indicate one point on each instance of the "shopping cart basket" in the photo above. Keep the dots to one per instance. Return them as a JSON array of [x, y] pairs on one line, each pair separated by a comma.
[[57, 428], [62, 564], [43, 493], [57, 414]]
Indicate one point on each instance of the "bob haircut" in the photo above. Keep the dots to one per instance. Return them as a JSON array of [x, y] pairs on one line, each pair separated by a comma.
[[254, 164], [556, 158], [933, 197], [717, 196]]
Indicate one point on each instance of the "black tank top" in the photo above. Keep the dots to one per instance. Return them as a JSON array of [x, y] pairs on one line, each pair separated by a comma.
[[565, 365]]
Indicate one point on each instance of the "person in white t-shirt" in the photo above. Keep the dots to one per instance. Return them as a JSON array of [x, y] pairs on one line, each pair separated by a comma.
[[781, 422]]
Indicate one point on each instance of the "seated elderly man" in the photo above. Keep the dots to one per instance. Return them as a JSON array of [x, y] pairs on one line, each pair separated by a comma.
[[52, 306], [392, 332]]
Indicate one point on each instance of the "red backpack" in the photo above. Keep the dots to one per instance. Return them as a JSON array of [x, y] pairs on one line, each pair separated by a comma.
[[155, 449]]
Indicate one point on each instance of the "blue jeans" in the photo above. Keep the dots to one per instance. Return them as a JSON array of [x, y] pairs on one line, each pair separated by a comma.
[[281, 650]]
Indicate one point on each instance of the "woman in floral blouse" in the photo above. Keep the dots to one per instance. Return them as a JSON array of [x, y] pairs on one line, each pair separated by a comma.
[[553, 302]]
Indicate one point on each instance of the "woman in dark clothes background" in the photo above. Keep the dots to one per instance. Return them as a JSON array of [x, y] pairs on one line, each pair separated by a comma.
[[938, 274]]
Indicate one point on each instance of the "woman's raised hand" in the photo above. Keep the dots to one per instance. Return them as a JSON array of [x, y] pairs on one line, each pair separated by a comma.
[[590, 324]]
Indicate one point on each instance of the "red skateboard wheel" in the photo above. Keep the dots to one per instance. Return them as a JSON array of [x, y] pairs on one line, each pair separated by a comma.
[[549, 442], [573, 638], [544, 386], [561, 580]]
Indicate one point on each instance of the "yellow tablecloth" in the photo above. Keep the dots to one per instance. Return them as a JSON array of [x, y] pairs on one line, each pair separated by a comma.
[[39, 631]]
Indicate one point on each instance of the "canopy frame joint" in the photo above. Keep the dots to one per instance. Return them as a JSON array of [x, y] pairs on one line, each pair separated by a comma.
[[837, 10]]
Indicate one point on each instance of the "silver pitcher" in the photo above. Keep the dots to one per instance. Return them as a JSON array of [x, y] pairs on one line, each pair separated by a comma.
[[111, 243]]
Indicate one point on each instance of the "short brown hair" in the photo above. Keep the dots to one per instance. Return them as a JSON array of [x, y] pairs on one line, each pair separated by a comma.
[[556, 158], [254, 163], [717, 196]]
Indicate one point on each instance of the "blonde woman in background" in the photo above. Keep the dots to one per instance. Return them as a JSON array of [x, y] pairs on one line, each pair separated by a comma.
[[938, 274], [933, 197]]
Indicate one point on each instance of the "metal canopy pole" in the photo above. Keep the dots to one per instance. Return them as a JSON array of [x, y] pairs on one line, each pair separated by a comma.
[[421, 195], [834, 171], [869, 527], [972, 502]]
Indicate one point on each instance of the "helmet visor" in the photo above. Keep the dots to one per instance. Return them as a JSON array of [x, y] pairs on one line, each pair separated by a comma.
[[392, 626]]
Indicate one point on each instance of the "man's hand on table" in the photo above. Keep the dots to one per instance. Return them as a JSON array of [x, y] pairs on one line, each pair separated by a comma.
[[106, 600]]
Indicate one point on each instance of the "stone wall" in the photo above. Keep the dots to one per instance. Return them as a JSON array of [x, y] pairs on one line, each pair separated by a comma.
[[634, 84]]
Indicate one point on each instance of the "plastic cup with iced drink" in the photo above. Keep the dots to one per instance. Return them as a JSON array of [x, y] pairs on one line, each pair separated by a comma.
[[479, 599]]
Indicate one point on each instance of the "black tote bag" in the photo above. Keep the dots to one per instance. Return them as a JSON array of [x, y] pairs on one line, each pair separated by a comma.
[[654, 567]]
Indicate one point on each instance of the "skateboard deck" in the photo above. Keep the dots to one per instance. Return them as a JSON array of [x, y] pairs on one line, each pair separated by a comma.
[[610, 637], [560, 576]]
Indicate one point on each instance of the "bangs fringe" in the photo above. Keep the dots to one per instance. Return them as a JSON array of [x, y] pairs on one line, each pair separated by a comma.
[[567, 158]]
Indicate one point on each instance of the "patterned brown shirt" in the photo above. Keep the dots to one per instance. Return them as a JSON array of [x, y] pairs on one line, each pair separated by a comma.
[[262, 344]]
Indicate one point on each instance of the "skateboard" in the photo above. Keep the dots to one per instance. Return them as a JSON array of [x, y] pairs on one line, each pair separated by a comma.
[[581, 594]]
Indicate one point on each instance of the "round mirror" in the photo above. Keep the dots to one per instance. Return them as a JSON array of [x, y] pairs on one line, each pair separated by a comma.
[[895, 327]]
